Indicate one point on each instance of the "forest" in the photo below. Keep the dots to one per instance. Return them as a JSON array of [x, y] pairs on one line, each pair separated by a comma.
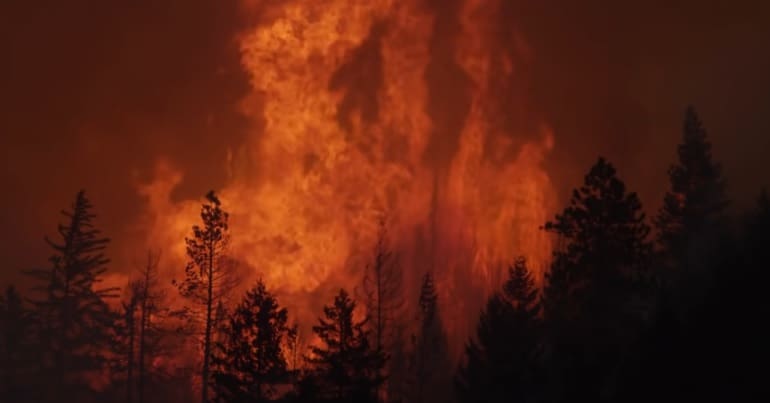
[[636, 306]]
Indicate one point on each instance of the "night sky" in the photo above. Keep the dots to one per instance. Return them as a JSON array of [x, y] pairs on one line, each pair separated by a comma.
[[94, 92]]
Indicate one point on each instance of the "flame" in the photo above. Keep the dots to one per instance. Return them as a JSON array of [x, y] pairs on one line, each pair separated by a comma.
[[364, 109]]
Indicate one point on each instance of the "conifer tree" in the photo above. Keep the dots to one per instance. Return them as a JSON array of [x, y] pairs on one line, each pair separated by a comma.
[[151, 313], [431, 367], [596, 281], [15, 353], [696, 197], [208, 275], [503, 363], [382, 295], [249, 361], [73, 319], [382, 288], [125, 343], [347, 367]]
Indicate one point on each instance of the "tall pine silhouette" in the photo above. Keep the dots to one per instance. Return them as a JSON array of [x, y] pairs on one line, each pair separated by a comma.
[[249, 362], [692, 205], [430, 375], [382, 295], [347, 367], [151, 333], [503, 363], [73, 319], [208, 275], [595, 283], [15, 346]]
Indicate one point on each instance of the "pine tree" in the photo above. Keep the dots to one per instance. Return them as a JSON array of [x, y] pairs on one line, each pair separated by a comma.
[[151, 306], [596, 281], [347, 367], [696, 198], [250, 361], [15, 353], [503, 363], [126, 339], [382, 291], [73, 320], [208, 275], [430, 365]]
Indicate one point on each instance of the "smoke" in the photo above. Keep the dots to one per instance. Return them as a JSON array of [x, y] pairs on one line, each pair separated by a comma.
[[93, 92]]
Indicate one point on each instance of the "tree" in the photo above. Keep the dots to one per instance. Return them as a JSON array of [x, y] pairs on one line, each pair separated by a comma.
[[294, 344], [125, 339], [151, 300], [503, 363], [382, 290], [596, 281], [347, 367], [15, 351], [430, 363], [73, 319], [208, 275], [696, 198], [250, 361]]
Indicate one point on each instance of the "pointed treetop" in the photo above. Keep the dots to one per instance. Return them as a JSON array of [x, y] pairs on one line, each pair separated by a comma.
[[212, 197]]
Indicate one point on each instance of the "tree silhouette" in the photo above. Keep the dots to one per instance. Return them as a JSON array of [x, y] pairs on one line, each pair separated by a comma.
[[151, 305], [73, 320], [382, 292], [503, 363], [347, 367], [250, 361], [430, 365], [595, 283], [693, 204], [15, 353], [124, 343], [294, 343], [208, 275]]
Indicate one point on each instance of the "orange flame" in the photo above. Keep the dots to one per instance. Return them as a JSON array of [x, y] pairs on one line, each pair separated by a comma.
[[377, 108]]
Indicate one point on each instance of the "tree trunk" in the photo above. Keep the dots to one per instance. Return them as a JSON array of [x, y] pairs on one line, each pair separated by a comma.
[[130, 375], [142, 332], [207, 339]]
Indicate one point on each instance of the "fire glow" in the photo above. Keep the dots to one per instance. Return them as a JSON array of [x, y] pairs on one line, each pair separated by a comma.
[[358, 116]]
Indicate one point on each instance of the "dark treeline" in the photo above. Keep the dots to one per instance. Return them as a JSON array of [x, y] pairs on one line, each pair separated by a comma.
[[669, 308]]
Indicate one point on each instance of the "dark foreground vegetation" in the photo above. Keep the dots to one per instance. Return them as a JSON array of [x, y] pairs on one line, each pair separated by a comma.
[[670, 308]]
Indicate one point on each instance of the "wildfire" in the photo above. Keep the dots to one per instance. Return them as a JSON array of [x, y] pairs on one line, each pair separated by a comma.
[[365, 109]]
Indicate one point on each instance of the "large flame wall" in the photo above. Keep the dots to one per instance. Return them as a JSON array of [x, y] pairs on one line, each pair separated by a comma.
[[409, 111]]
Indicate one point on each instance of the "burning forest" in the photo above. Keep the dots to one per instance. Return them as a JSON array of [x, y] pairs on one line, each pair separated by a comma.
[[390, 225]]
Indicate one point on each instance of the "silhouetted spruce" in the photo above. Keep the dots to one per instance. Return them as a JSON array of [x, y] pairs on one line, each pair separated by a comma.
[[15, 347], [382, 295], [695, 200], [123, 348], [73, 320], [594, 286], [346, 368], [503, 363], [249, 362], [208, 275], [430, 367], [152, 311], [382, 291]]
